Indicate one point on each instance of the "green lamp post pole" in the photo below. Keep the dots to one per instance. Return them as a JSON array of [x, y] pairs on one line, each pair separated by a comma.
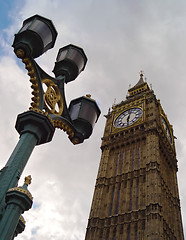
[[48, 111]]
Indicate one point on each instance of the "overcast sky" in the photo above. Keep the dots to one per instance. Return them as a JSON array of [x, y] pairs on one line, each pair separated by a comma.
[[120, 38]]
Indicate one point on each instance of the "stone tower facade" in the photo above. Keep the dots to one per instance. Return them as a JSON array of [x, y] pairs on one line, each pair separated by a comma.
[[136, 194]]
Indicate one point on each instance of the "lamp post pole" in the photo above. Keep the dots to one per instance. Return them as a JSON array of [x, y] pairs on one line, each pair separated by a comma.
[[48, 111]]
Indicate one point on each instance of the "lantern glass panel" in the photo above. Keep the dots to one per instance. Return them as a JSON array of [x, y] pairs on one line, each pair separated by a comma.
[[88, 112], [62, 55], [43, 30], [76, 56], [74, 111], [25, 27]]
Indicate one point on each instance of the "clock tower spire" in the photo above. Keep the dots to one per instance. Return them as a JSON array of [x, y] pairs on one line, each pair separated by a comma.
[[136, 194], [141, 86]]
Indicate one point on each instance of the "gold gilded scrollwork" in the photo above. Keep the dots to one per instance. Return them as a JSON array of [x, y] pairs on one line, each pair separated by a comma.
[[62, 125], [53, 100], [52, 97], [33, 80]]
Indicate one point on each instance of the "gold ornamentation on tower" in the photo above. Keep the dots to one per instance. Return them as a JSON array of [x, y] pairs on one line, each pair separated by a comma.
[[136, 193]]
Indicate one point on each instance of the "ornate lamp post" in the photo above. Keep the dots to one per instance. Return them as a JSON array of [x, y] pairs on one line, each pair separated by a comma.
[[48, 111]]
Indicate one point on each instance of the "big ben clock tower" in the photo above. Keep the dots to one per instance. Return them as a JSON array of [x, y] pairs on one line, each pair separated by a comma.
[[136, 194]]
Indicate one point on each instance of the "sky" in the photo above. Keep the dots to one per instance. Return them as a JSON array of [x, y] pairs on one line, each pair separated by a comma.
[[120, 38]]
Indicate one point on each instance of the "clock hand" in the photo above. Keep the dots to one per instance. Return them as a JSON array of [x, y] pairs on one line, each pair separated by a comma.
[[128, 118], [167, 131]]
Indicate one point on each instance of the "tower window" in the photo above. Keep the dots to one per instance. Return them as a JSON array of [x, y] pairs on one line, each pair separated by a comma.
[[137, 196], [117, 206], [133, 159], [101, 233], [128, 232], [108, 231], [136, 232], [123, 156], [121, 229], [112, 200], [139, 150], [117, 162], [114, 233], [143, 225], [131, 192]]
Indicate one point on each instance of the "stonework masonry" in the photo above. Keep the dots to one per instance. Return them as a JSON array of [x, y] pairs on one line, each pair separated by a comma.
[[136, 193]]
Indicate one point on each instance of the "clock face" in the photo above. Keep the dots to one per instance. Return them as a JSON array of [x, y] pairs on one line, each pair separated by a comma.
[[128, 117], [166, 128]]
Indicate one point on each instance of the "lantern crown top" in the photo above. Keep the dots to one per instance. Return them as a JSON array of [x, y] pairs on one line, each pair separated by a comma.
[[36, 36], [70, 61], [43, 19], [88, 99], [77, 48]]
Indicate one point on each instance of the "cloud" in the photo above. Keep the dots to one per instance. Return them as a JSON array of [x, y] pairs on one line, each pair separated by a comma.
[[120, 38]]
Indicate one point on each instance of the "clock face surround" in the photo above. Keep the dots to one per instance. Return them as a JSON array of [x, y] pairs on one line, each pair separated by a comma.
[[128, 117], [166, 129]]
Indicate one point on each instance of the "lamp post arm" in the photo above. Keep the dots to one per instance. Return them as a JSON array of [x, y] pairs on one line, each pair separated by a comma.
[[46, 100], [60, 82], [35, 73], [48, 92]]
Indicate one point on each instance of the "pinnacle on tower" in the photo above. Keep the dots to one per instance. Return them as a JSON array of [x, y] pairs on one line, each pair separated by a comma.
[[140, 87]]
